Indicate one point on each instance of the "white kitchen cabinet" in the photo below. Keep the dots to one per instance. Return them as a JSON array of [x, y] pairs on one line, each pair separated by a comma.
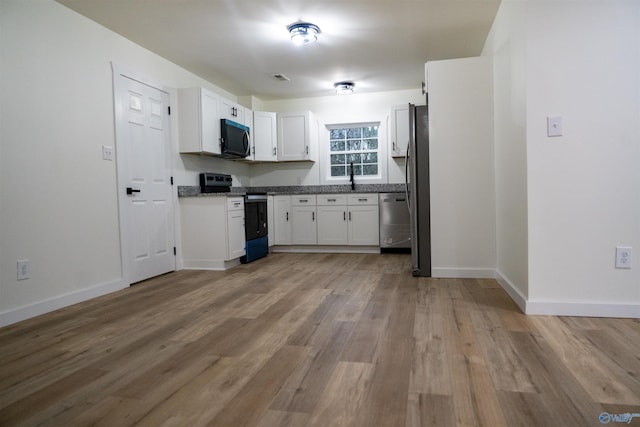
[[271, 229], [282, 220], [199, 124], [212, 231], [235, 228], [297, 137], [332, 224], [363, 220], [265, 140], [303, 220], [399, 130], [232, 110]]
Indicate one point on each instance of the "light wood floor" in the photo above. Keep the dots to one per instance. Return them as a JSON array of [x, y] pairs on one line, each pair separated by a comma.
[[315, 340]]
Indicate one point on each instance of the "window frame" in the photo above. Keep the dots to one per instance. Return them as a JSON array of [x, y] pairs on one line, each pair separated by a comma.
[[325, 151]]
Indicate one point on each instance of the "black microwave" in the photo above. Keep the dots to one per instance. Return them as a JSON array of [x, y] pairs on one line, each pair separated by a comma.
[[234, 139]]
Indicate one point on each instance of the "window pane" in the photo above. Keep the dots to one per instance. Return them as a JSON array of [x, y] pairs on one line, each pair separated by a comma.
[[355, 158], [338, 171], [337, 134], [370, 169], [354, 144], [370, 132], [357, 169], [337, 145], [370, 144], [338, 159], [370, 158], [354, 133]]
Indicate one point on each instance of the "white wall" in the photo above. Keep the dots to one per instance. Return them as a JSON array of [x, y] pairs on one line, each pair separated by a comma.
[[463, 222], [59, 204], [583, 63], [579, 60], [335, 109], [506, 45]]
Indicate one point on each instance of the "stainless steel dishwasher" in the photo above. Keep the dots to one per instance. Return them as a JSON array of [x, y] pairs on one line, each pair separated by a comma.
[[395, 229]]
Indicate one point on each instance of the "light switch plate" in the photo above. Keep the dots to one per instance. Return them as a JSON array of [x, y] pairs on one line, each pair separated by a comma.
[[554, 126]]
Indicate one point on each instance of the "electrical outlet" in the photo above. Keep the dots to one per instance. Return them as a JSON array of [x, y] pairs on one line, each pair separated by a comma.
[[623, 257], [107, 153], [23, 269]]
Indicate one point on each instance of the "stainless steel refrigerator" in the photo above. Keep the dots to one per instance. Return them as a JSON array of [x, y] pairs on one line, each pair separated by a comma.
[[418, 197]]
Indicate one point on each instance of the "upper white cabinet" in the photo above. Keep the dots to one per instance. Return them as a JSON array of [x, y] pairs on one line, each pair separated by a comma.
[[232, 111], [265, 140], [297, 137], [199, 121], [399, 130]]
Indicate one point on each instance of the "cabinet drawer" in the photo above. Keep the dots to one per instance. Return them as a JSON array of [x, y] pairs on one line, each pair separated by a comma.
[[303, 200], [363, 199], [331, 199], [235, 203]]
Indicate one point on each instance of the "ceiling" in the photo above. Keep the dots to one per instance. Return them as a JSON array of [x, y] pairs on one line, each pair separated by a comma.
[[238, 45]]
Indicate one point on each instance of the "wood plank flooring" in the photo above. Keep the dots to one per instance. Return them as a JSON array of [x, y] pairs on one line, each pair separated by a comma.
[[315, 340]]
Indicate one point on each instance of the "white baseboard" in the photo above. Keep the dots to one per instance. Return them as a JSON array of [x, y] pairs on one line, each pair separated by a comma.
[[463, 273], [580, 309], [28, 311], [209, 264], [564, 308], [514, 293], [326, 249]]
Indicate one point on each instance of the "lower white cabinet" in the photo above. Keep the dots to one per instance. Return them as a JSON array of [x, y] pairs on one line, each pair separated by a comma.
[[303, 220], [326, 220], [281, 220], [212, 231]]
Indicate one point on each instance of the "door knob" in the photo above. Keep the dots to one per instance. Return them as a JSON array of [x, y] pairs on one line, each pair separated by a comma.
[[130, 191]]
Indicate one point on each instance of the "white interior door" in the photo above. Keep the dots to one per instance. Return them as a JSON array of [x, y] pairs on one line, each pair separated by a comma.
[[143, 142]]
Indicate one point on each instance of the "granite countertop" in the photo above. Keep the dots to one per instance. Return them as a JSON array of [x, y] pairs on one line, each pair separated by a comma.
[[194, 191]]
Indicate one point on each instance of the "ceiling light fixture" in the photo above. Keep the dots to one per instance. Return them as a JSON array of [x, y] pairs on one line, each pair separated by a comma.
[[303, 32], [343, 88]]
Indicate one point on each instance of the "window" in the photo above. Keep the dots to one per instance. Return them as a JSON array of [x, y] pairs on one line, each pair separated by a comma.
[[357, 144]]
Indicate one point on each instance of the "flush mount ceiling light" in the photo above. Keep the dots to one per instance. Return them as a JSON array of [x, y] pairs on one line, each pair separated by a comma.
[[303, 32], [344, 87]]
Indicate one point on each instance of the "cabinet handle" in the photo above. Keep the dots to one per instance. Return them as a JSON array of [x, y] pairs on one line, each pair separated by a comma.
[[344, 216], [331, 200], [303, 200], [274, 151], [362, 200], [287, 216], [349, 216], [307, 150], [313, 216], [394, 146]]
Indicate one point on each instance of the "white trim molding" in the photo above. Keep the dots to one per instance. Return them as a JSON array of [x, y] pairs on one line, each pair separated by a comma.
[[515, 293], [582, 309], [463, 273], [41, 307]]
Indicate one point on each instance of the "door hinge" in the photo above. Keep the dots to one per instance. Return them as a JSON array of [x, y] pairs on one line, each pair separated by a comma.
[[175, 252], [169, 109], [171, 180]]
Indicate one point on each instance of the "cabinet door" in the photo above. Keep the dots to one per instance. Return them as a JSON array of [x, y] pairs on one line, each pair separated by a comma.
[[303, 225], [282, 220], [293, 136], [363, 226], [199, 121], [399, 130], [232, 111], [332, 225], [235, 232], [264, 136], [271, 230]]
